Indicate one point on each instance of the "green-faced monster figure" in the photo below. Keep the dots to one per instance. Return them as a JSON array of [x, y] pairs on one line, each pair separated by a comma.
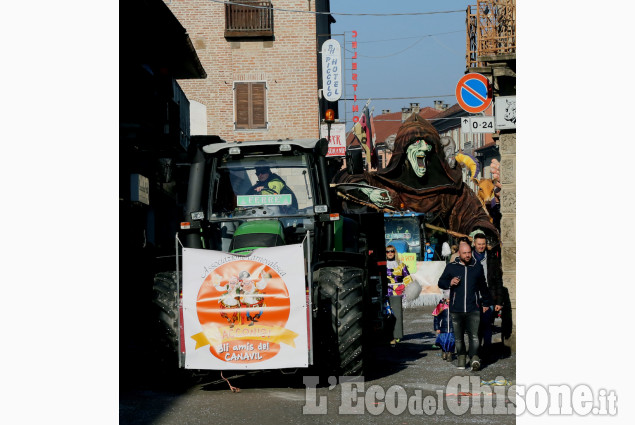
[[422, 176]]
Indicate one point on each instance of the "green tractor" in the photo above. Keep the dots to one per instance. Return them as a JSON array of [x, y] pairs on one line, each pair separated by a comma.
[[256, 234], [269, 204]]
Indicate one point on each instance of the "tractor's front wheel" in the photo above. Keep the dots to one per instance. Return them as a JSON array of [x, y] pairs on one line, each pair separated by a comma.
[[166, 301], [340, 319]]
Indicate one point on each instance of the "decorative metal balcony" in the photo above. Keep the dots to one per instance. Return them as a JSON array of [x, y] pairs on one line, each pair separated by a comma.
[[491, 30], [249, 19]]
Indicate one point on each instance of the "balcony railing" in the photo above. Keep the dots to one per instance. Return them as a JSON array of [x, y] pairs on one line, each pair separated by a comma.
[[491, 30], [249, 19]]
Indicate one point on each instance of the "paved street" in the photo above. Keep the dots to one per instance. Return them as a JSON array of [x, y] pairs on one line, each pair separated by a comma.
[[414, 368]]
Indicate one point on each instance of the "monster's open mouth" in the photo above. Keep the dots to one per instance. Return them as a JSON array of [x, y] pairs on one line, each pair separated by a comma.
[[421, 161]]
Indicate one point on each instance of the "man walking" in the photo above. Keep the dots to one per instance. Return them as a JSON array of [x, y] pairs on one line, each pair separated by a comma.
[[465, 279], [494, 280]]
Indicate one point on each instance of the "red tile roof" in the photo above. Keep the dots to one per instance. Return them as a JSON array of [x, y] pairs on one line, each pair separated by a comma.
[[388, 124], [451, 110]]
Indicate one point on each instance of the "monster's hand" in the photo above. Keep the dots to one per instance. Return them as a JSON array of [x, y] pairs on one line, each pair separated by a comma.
[[379, 197]]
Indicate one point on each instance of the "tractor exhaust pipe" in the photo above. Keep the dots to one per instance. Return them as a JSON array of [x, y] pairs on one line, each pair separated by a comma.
[[195, 188]]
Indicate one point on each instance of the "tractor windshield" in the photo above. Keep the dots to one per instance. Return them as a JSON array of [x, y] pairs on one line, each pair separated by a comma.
[[262, 186]]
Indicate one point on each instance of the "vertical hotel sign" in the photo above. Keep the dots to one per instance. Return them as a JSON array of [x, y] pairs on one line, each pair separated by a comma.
[[354, 76], [332, 70]]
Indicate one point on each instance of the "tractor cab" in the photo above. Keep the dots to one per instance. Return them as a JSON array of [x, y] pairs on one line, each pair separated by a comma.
[[256, 195]]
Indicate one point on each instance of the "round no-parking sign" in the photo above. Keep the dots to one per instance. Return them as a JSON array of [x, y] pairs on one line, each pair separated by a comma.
[[472, 93]]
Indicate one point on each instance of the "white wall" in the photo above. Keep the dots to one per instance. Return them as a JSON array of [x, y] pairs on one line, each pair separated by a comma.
[[198, 119]]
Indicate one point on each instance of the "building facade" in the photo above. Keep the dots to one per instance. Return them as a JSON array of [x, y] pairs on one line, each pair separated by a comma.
[[480, 146], [491, 51], [154, 137], [262, 67]]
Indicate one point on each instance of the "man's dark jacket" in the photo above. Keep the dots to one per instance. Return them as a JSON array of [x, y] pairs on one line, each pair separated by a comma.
[[494, 278], [464, 297]]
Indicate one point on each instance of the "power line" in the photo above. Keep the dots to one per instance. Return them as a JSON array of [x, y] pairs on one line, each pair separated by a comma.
[[429, 119], [407, 38], [399, 98], [392, 54], [338, 13], [407, 48]]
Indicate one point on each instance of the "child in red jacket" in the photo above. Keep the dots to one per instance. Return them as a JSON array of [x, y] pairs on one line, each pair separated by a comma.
[[443, 327]]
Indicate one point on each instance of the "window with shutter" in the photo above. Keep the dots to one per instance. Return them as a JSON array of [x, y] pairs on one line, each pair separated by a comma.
[[250, 100]]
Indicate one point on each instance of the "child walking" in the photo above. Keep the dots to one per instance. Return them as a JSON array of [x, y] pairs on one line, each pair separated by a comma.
[[443, 327]]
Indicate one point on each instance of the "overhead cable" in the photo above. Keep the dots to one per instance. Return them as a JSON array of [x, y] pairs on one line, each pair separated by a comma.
[[414, 36], [338, 13], [397, 98]]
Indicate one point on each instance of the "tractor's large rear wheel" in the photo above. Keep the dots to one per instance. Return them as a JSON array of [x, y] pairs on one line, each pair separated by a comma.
[[340, 319]]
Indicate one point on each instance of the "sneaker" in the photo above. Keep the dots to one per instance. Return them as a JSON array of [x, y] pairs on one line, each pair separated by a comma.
[[444, 356], [461, 362], [476, 364], [449, 356]]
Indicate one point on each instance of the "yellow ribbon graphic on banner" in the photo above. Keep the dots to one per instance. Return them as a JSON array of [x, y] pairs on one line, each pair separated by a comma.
[[213, 335]]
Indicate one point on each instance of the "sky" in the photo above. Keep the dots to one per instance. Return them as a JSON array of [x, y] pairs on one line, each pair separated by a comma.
[[402, 56]]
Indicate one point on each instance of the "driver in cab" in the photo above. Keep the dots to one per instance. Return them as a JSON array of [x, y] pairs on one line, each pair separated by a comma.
[[270, 183]]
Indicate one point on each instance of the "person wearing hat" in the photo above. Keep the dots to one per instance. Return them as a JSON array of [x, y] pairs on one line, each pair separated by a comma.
[[269, 183]]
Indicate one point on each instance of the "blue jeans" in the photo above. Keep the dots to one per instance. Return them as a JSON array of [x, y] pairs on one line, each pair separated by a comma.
[[466, 322]]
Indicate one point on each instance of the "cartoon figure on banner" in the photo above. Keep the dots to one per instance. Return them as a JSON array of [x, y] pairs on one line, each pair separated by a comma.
[[229, 300], [251, 299], [240, 322]]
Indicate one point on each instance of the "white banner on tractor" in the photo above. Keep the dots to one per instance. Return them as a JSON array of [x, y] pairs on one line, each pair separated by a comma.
[[245, 312]]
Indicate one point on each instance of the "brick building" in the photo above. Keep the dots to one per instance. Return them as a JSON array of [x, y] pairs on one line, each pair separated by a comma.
[[262, 67]]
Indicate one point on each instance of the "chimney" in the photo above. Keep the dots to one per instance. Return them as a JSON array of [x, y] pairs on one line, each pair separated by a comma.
[[445, 106], [385, 111], [405, 113], [415, 108], [438, 105]]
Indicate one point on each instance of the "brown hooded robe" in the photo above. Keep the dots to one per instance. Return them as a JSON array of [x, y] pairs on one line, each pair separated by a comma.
[[440, 191]]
